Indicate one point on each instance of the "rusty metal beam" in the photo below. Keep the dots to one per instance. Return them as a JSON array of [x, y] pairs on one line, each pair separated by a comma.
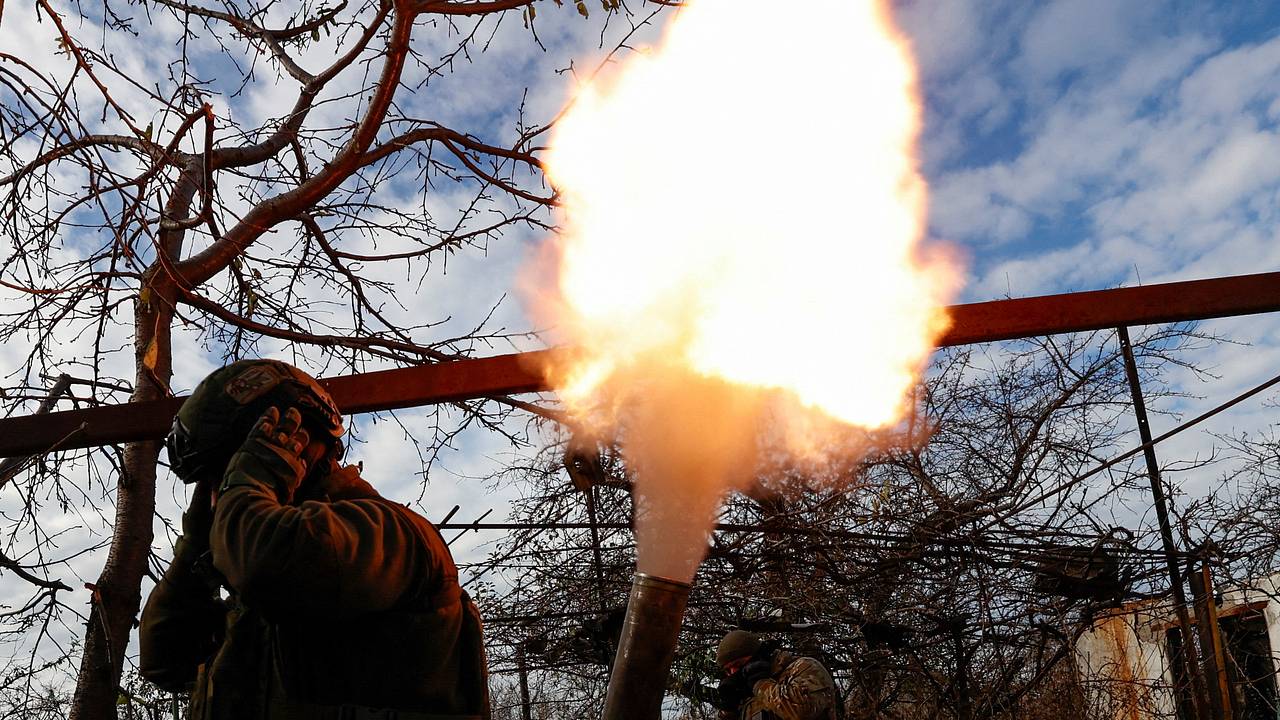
[[520, 373], [365, 392], [1104, 309]]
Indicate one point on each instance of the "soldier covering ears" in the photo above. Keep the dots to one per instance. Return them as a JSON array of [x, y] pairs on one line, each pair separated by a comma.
[[296, 590]]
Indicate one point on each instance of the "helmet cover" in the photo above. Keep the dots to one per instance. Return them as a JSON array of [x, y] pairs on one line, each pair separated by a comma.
[[737, 644], [221, 411]]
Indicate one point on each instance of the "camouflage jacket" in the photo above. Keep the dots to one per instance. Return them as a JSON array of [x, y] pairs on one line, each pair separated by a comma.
[[798, 688], [333, 604]]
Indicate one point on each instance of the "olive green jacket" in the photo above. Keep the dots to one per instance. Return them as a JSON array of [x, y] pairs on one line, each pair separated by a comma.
[[332, 604]]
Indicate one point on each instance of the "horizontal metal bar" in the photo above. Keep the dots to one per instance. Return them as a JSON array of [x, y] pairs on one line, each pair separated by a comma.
[[521, 372], [1101, 309], [365, 392], [441, 382]]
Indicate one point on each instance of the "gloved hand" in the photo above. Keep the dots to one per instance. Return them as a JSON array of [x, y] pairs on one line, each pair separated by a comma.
[[755, 671], [192, 569], [343, 483], [732, 692], [271, 455], [196, 522]]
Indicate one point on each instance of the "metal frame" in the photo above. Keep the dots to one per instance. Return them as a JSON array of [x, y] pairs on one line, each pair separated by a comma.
[[522, 372]]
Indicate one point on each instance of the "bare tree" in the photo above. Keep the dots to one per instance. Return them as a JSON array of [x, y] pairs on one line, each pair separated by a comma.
[[154, 213]]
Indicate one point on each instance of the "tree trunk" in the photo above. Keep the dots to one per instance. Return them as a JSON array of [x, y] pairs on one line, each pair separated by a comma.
[[117, 595]]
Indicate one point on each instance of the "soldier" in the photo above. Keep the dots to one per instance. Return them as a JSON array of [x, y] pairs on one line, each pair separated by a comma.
[[338, 603], [763, 683]]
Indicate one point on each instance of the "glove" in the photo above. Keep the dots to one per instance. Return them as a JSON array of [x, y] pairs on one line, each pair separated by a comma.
[[271, 455], [755, 671], [344, 483], [192, 568], [733, 690], [196, 522]]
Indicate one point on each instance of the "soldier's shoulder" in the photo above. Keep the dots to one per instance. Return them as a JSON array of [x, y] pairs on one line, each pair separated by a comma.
[[808, 667], [425, 527], [374, 508]]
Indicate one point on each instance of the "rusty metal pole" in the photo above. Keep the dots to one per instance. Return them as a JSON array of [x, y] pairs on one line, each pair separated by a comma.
[[523, 372], [1215, 657], [11, 465], [1187, 655]]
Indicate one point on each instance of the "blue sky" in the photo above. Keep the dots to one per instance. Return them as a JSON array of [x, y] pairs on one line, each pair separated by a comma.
[[1131, 136]]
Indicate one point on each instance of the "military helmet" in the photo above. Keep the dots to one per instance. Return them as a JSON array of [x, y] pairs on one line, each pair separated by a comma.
[[221, 411], [737, 644]]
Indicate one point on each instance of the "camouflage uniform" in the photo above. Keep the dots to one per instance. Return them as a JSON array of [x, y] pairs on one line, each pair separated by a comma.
[[338, 606], [798, 688]]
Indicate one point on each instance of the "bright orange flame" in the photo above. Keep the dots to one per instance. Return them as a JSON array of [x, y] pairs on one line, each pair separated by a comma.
[[742, 210]]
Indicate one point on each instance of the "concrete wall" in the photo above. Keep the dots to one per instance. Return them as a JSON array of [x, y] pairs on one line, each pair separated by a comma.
[[1124, 667]]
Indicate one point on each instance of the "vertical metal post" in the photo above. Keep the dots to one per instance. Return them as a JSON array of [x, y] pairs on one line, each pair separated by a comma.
[[596, 560], [526, 708], [1187, 659], [1215, 657], [582, 462]]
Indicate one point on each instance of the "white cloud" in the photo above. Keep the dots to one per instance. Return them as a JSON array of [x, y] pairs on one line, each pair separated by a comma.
[[1137, 157], [1229, 82], [946, 35], [1069, 35]]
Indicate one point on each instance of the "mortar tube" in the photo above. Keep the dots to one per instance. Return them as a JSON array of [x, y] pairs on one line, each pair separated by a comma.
[[648, 643]]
